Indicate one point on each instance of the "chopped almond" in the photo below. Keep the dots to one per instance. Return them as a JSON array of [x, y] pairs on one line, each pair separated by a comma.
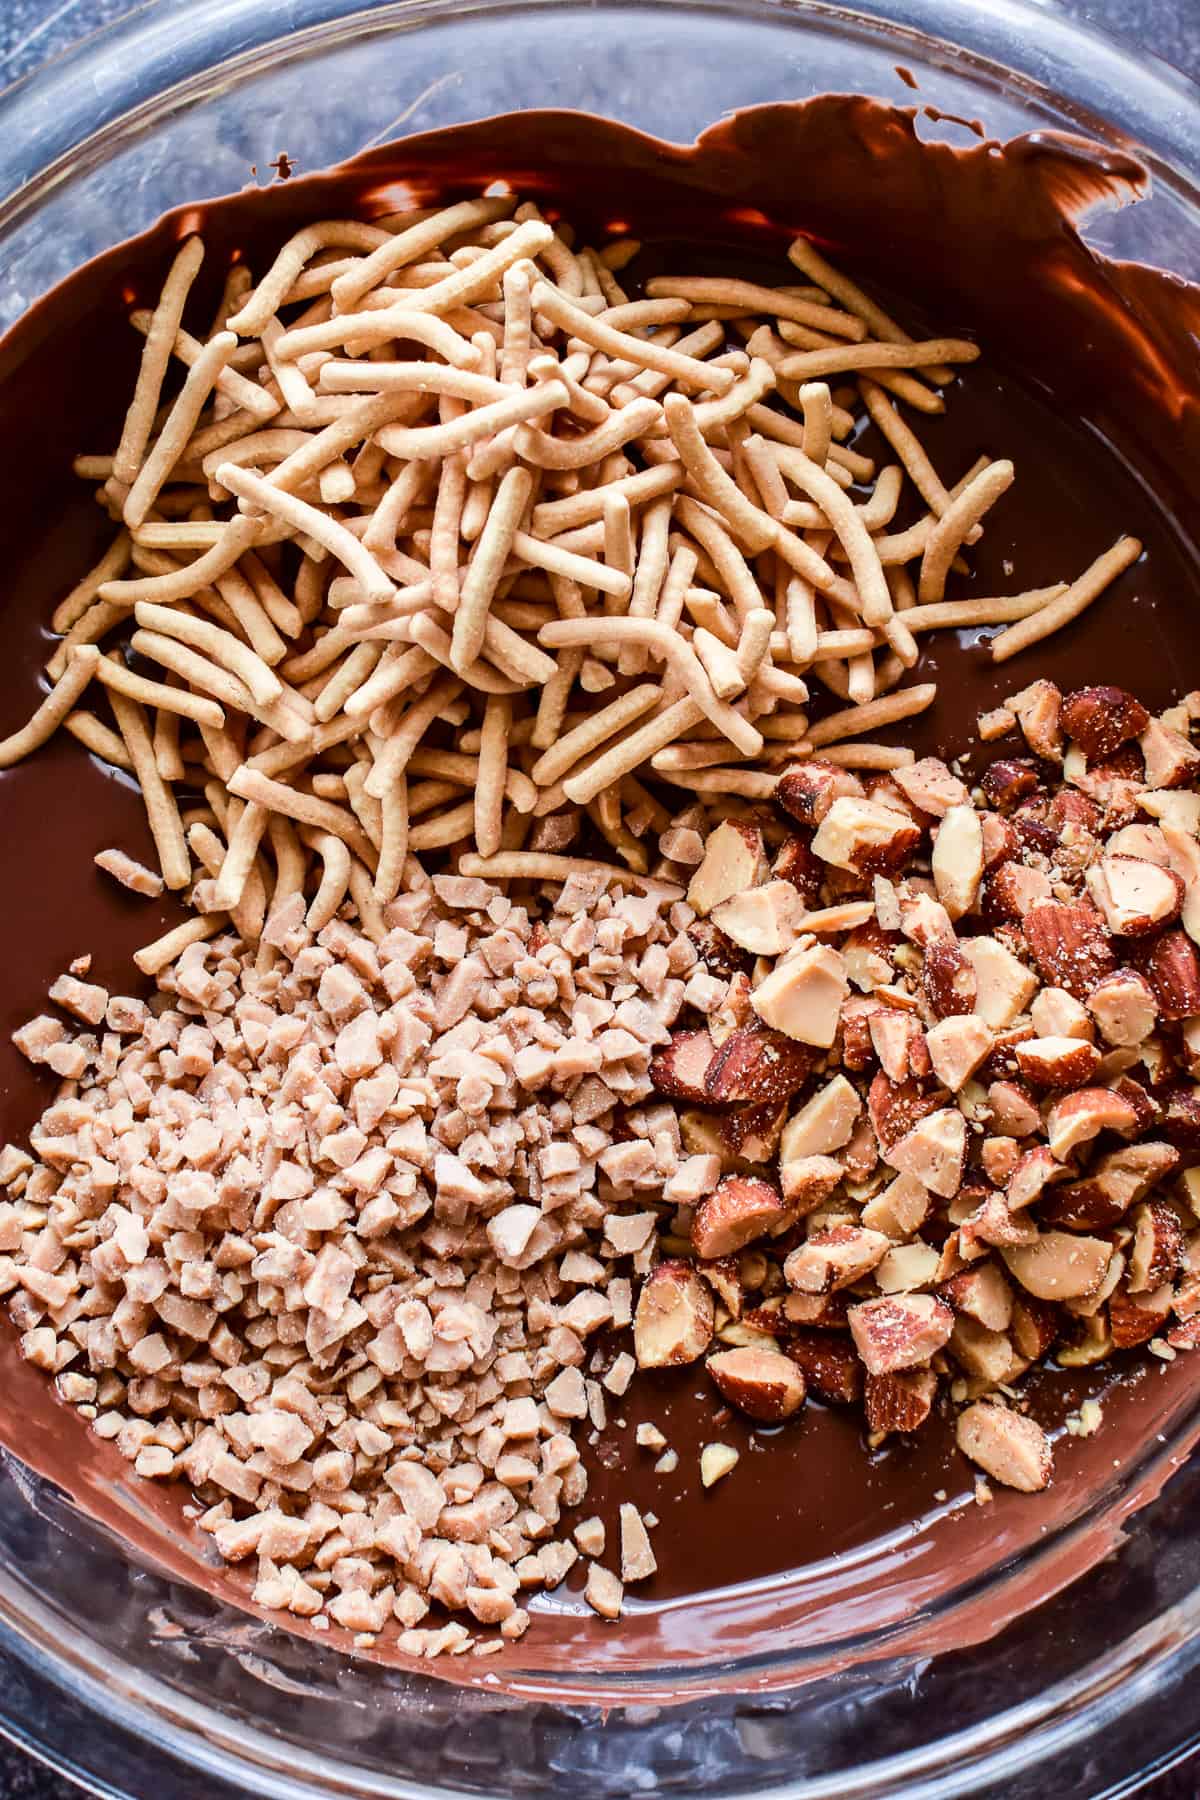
[[983, 1293], [1012, 1109], [638, 1561], [865, 836], [673, 1323], [1029, 1179], [957, 1047], [899, 1400], [1061, 1265], [803, 995], [1070, 945], [900, 1331], [1057, 1062], [957, 861], [830, 1367], [808, 1181], [681, 1070], [1157, 1247], [734, 860], [931, 786], [1004, 985], [603, 1593], [823, 1123], [834, 1259], [1055, 1013], [764, 1384], [900, 1210], [1013, 889], [809, 790], [1038, 708], [763, 920], [1170, 759], [934, 1152], [1171, 965], [1006, 1445], [1135, 896], [741, 1210], [1101, 719], [1081, 1116], [755, 1066], [949, 979]]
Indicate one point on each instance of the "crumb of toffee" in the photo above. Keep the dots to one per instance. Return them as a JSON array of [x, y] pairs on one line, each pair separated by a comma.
[[334, 1238]]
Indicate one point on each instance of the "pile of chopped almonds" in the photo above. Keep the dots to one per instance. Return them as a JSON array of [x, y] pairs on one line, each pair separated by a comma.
[[444, 545], [333, 1237], [988, 1006]]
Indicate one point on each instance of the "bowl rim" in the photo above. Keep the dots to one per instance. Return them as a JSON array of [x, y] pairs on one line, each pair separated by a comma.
[[47, 131]]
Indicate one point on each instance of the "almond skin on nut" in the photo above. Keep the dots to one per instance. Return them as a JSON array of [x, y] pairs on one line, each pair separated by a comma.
[[829, 1365], [681, 1070], [900, 1331], [764, 1384], [673, 1323], [1070, 945], [741, 1209], [755, 1065], [1101, 719], [901, 1401], [808, 791]]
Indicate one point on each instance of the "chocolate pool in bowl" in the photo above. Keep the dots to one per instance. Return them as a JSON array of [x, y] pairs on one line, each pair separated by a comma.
[[1089, 382]]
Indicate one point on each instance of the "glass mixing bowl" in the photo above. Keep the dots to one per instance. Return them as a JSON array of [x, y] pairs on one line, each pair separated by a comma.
[[135, 1682]]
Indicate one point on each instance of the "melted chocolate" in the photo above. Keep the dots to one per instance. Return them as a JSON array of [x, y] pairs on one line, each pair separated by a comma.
[[1090, 382]]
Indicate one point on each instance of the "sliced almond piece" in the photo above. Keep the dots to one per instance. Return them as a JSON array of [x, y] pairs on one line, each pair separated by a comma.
[[957, 860], [957, 1047], [1061, 1265], [741, 1209], [934, 1152], [1005, 986], [764, 1384], [1011, 1448], [734, 860], [673, 1323], [763, 920]]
